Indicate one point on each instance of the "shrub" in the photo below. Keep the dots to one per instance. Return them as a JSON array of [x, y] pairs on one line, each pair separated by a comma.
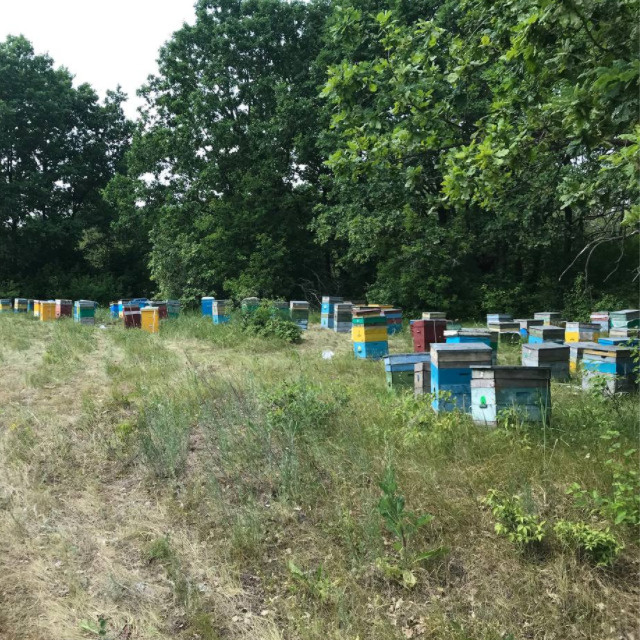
[[599, 546], [266, 322], [523, 529]]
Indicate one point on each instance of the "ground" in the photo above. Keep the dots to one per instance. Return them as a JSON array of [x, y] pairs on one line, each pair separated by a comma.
[[203, 483]]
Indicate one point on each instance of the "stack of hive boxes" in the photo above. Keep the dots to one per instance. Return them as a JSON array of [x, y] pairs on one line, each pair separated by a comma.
[[546, 333], [614, 365], [250, 304], [525, 390], [173, 308], [84, 311], [64, 308], [327, 311], [526, 324], [206, 305], [221, 311], [299, 312], [495, 318], [549, 317], [508, 329], [625, 323], [47, 310], [342, 316], [581, 332], [20, 305], [399, 369], [426, 332], [6, 305], [394, 320], [150, 319], [462, 336], [601, 318], [576, 353], [451, 373], [369, 333], [131, 315], [548, 355]]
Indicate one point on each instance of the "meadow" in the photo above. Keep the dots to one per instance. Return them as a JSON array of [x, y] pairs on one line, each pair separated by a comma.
[[206, 483]]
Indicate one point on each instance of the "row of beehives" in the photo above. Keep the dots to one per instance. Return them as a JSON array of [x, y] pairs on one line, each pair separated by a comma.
[[145, 314], [82, 311], [220, 310]]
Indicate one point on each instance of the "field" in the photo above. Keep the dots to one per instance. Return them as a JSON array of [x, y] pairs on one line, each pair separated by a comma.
[[203, 483]]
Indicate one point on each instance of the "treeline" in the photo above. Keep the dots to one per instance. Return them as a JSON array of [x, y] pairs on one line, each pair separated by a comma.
[[462, 154]]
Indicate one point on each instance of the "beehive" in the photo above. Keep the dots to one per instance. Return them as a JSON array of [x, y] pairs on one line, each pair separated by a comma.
[[462, 336], [84, 311], [625, 319], [495, 318], [299, 313], [114, 310], [30, 305], [121, 305], [47, 310], [394, 320], [327, 311], [161, 305], [601, 318], [131, 315], [625, 334], [342, 317], [399, 369], [369, 333], [526, 324], [250, 304], [206, 305], [36, 308], [612, 340], [548, 317], [424, 333], [422, 377], [612, 364], [20, 305], [525, 390], [576, 353], [6, 305], [434, 315], [451, 373], [546, 333], [547, 355], [150, 319], [64, 308], [221, 311], [581, 332], [173, 308]]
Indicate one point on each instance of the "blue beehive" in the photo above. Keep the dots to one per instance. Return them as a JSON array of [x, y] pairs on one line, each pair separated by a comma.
[[221, 311], [526, 324], [327, 311], [206, 305], [113, 309], [485, 336], [619, 341], [612, 364], [399, 369], [546, 333], [451, 373]]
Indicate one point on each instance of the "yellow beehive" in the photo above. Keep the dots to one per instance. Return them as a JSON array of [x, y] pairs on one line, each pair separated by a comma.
[[150, 319], [36, 308], [362, 333], [47, 311]]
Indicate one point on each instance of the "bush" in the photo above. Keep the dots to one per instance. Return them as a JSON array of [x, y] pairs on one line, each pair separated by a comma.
[[599, 546], [267, 322], [519, 527]]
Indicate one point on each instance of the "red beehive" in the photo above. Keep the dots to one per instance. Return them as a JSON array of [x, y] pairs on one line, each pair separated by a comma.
[[426, 332], [162, 308], [131, 315], [64, 308]]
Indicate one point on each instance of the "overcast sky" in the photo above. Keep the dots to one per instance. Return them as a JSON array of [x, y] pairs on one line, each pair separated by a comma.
[[102, 42]]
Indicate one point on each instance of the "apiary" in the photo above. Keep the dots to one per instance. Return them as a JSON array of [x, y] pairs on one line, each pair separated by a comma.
[[206, 306], [399, 369], [581, 332], [422, 377], [221, 311], [369, 333], [576, 353], [464, 336], [546, 333], [84, 312], [434, 315], [424, 333], [394, 320], [625, 319], [327, 311], [6, 305], [549, 355], [451, 373], [64, 308], [548, 317], [601, 318], [150, 319], [20, 305], [612, 364], [342, 317], [299, 312], [526, 324], [525, 390], [47, 310], [250, 304], [131, 315]]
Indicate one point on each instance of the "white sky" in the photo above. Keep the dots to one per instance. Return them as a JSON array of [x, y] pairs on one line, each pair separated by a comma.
[[102, 42]]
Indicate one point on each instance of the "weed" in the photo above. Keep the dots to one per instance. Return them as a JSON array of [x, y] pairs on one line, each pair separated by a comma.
[[523, 529], [600, 546], [316, 583]]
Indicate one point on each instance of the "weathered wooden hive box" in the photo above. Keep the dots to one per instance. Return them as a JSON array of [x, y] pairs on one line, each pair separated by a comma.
[[547, 355], [327, 310], [424, 333], [47, 310], [221, 311], [626, 334], [299, 313], [399, 369], [394, 320], [422, 377], [581, 332], [576, 353], [131, 316], [625, 319], [64, 308], [495, 318], [451, 373], [434, 315], [250, 304], [84, 312], [601, 318], [206, 306], [546, 333], [161, 305], [525, 390], [150, 319], [369, 333], [20, 305], [613, 364], [342, 317], [548, 317], [462, 336], [526, 324]]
